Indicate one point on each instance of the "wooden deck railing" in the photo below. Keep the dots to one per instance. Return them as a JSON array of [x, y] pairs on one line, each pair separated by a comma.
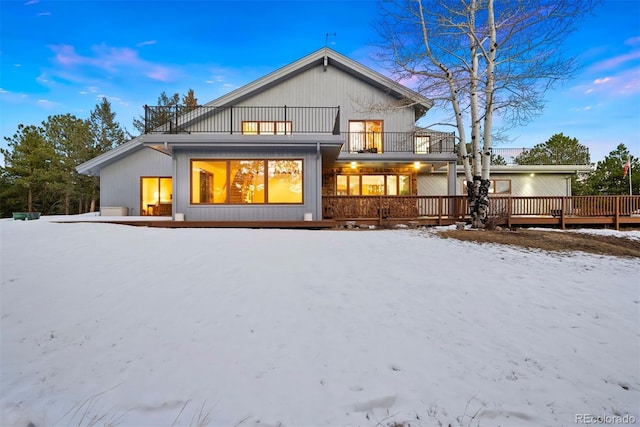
[[440, 210]]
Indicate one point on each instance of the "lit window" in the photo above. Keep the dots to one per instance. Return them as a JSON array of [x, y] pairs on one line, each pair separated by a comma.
[[373, 185], [241, 182], [285, 181], [156, 196], [266, 128], [365, 136]]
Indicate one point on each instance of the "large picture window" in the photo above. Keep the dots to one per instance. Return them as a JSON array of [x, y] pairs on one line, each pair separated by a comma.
[[243, 182], [373, 185]]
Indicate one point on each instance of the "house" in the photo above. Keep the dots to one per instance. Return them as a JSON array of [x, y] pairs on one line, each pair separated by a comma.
[[321, 127]]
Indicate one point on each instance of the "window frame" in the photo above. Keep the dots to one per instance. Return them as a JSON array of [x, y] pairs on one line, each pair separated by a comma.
[[349, 177], [378, 146], [158, 202], [229, 180], [288, 128], [492, 186]]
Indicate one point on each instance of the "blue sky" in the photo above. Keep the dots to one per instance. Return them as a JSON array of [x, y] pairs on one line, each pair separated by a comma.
[[59, 57]]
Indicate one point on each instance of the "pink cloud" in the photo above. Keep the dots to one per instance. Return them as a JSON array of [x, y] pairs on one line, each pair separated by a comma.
[[616, 61], [633, 41], [112, 60], [162, 74]]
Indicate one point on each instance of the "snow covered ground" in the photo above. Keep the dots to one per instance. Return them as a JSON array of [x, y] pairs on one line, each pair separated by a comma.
[[114, 325]]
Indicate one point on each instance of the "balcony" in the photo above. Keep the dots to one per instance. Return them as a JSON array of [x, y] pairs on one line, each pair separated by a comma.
[[418, 142], [241, 120]]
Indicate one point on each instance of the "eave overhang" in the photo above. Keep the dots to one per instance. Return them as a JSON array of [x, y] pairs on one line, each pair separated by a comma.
[[327, 145], [529, 169]]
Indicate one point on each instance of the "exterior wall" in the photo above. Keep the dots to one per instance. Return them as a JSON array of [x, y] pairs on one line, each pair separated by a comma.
[[312, 200], [331, 88], [521, 184], [120, 181]]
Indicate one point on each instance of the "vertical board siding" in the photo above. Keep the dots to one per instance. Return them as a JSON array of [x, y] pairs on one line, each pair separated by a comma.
[[258, 212], [521, 184], [331, 88], [120, 181]]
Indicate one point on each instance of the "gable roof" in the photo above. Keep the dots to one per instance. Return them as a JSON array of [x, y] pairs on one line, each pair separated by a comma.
[[328, 58], [92, 167], [322, 57]]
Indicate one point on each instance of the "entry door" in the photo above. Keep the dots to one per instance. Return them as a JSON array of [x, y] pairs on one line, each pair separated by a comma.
[[156, 196]]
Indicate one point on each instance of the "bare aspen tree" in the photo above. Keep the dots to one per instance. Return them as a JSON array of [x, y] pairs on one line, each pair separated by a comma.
[[480, 59]]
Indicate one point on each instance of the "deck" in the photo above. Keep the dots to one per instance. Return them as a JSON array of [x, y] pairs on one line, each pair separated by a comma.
[[558, 211]]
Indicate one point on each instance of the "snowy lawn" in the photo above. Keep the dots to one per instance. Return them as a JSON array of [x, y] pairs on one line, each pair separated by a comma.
[[114, 325]]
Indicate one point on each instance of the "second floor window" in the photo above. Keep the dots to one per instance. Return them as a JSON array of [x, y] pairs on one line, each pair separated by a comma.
[[365, 136], [266, 128]]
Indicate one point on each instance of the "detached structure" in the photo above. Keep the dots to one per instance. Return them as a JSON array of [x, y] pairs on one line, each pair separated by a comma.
[[322, 138]]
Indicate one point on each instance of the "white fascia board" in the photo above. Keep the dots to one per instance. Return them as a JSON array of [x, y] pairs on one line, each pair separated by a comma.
[[170, 141]]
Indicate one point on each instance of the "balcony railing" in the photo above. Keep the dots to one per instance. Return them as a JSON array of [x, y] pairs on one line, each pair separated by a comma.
[[233, 119], [525, 156], [523, 210], [420, 142]]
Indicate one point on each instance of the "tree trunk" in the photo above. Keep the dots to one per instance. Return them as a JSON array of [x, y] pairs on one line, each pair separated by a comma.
[[30, 201], [80, 204], [93, 200], [66, 202], [478, 196]]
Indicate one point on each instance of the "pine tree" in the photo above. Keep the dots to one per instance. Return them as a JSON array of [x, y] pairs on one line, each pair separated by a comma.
[[105, 134], [69, 137], [190, 101], [609, 179], [557, 150], [28, 162], [157, 115]]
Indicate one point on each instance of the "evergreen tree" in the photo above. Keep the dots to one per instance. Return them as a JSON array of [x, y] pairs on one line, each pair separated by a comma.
[[609, 179], [69, 137], [557, 150], [105, 134], [158, 115], [190, 101], [28, 163]]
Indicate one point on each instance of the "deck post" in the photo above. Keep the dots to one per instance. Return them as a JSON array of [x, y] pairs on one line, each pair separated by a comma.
[[563, 212], [509, 211], [617, 214]]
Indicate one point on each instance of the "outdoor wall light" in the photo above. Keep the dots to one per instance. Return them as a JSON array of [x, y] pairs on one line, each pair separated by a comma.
[[353, 165], [416, 165]]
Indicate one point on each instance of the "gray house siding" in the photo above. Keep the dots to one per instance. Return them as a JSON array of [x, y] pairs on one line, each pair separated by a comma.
[[120, 181], [312, 201], [331, 88], [521, 184]]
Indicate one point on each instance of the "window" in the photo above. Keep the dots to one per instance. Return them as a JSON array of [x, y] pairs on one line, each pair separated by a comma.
[[156, 196], [422, 144], [365, 136], [500, 186], [496, 186], [242, 182], [373, 185], [266, 128]]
